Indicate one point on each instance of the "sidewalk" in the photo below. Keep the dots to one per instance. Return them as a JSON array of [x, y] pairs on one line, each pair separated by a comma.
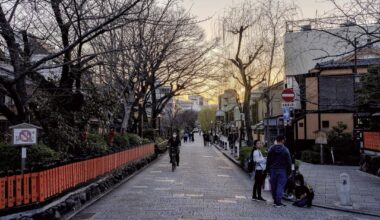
[[206, 185], [365, 188]]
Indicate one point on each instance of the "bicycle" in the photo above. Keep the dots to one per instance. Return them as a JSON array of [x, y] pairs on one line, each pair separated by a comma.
[[173, 161]]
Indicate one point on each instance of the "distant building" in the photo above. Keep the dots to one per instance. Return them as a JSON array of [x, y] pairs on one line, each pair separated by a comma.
[[198, 102], [185, 105], [194, 103], [228, 103], [267, 120]]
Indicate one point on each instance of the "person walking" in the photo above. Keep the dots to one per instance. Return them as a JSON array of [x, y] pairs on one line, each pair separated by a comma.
[[205, 139], [185, 137], [174, 143], [260, 165], [279, 167]]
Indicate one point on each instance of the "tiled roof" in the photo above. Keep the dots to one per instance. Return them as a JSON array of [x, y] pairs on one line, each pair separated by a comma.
[[339, 64]]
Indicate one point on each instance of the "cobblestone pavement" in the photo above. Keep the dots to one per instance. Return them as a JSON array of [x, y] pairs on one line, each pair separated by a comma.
[[206, 185], [365, 188]]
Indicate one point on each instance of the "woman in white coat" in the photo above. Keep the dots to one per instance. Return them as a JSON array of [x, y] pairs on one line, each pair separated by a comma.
[[260, 165]]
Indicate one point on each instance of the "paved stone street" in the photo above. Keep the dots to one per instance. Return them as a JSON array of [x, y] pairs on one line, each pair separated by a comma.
[[365, 188], [206, 185]]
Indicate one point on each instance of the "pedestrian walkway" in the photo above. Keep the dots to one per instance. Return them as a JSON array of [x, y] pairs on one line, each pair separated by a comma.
[[365, 188], [206, 185]]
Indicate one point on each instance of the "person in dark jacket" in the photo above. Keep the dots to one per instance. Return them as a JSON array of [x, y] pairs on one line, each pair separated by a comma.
[[303, 192], [174, 143], [279, 167], [205, 139]]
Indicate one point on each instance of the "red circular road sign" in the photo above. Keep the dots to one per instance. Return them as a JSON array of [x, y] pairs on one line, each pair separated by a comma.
[[25, 135], [288, 95]]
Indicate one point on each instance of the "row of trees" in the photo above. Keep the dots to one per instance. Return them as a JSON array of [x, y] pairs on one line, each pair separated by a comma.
[[105, 58], [252, 36], [252, 47]]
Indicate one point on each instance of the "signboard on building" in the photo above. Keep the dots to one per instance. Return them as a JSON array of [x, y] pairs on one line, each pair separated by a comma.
[[371, 140]]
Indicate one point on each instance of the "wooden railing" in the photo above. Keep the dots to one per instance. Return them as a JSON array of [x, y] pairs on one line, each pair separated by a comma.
[[37, 187]]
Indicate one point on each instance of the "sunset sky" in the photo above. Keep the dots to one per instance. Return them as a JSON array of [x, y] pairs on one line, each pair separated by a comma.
[[211, 10]]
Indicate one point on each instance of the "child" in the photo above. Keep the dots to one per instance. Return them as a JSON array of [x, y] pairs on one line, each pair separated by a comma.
[[289, 189], [303, 192]]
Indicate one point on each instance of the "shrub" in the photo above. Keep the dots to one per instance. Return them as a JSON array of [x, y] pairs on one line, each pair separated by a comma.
[[244, 154], [96, 144], [149, 134], [343, 145], [310, 156], [146, 141], [10, 157], [41, 154], [374, 165], [37, 155], [121, 142], [134, 139], [159, 140]]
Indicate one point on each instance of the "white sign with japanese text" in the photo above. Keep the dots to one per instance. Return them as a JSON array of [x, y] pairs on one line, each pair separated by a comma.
[[24, 136]]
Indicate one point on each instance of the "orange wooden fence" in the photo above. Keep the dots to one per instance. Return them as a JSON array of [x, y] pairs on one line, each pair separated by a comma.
[[37, 187], [371, 140]]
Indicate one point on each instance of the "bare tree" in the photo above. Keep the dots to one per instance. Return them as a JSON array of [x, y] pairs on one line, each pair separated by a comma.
[[242, 30], [164, 49], [66, 27], [275, 15], [255, 30]]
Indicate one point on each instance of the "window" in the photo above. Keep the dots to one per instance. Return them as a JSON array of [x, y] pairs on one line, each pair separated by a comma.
[[336, 92], [325, 124], [300, 124]]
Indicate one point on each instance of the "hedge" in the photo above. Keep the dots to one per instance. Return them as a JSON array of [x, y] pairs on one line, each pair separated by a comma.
[[37, 155]]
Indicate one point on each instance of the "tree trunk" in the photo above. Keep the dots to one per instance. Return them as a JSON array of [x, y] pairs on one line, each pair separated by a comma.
[[247, 113], [124, 123]]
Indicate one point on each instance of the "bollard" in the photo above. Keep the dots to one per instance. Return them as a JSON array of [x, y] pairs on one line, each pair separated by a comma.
[[344, 190]]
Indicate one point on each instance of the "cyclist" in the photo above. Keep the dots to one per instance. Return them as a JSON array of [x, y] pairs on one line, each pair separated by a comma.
[[174, 143]]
